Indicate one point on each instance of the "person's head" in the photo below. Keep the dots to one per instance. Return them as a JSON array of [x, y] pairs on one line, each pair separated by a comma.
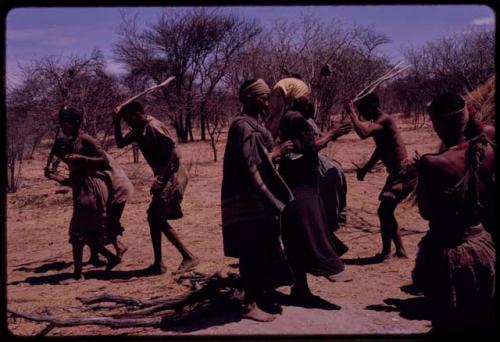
[[133, 114], [61, 148], [449, 116], [254, 94], [70, 120], [368, 106], [292, 93]]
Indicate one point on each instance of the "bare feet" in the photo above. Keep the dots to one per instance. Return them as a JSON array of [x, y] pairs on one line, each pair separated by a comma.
[[187, 265], [342, 276], [156, 269], [112, 262], [75, 278], [96, 262], [401, 253], [383, 256], [121, 251], [253, 312]]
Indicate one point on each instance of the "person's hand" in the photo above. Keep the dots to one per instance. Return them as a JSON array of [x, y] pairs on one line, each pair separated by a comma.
[[116, 115], [341, 130], [47, 173], [157, 187], [283, 148], [360, 174], [349, 107], [75, 157]]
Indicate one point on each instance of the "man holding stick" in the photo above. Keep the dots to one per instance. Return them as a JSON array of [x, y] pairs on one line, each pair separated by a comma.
[[160, 152], [391, 150]]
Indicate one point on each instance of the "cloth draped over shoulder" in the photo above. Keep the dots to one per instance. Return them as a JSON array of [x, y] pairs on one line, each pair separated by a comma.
[[154, 142], [250, 214], [91, 193], [455, 264], [248, 144], [122, 188], [157, 147]]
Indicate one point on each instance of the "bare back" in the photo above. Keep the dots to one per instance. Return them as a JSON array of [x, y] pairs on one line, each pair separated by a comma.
[[440, 173], [389, 143]]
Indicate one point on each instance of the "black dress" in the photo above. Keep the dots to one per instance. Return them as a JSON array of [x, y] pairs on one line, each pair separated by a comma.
[[309, 245]]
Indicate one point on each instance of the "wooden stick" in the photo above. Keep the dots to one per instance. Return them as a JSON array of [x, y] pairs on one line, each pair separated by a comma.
[[214, 290], [373, 85], [145, 92], [46, 330]]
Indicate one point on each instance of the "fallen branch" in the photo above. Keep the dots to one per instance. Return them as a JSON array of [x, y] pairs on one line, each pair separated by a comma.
[[72, 322], [209, 292], [46, 330]]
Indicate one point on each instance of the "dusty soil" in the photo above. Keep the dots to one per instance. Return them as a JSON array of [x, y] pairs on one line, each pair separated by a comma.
[[39, 256]]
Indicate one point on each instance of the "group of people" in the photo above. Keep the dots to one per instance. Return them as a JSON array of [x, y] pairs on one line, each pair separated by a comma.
[[101, 187], [282, 201], [275, 214]]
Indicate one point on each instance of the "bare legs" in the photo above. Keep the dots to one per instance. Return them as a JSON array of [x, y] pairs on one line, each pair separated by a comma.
[[112, 260], [114, 229], [389, 229], [253, 292], [156, 227]]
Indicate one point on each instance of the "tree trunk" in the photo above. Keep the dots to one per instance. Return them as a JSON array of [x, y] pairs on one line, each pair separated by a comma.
[[202, 126], [36, 142], [189, 127], [203, 121], [180, 129], [11, 177], [214, 147]]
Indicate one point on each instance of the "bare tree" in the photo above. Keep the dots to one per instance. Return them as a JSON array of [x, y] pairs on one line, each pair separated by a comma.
[[193, 45], [46, 85], [454, 63]]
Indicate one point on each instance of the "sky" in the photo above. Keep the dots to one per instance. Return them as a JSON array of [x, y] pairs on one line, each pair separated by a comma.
[[32, 33]]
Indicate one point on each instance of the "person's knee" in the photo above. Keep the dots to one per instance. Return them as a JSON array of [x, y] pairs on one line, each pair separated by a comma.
[[154, 220], [386, 208], [382, 211]]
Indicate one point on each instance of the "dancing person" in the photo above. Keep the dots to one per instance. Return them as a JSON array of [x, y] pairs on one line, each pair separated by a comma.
[[391, 150], [170, 182]]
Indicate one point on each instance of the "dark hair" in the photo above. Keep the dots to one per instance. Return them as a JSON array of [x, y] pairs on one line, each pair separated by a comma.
[[370, 101], [245, 85], [71, 115], [131, 108], [446, 103]]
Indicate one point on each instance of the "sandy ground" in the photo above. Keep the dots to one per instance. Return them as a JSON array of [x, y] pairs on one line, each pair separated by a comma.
[[39, 256]]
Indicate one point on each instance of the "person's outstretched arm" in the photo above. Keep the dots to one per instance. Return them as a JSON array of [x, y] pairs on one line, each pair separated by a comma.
[[361, 173]]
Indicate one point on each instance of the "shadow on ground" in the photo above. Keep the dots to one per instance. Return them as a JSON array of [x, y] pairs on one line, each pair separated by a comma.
[[51, 266], [411, 308], [218, 313], [56, 279], [363, 261], [223, 310]]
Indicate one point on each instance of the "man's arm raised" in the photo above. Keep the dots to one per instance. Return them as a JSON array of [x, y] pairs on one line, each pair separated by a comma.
[[120, 140], [362, 130]]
